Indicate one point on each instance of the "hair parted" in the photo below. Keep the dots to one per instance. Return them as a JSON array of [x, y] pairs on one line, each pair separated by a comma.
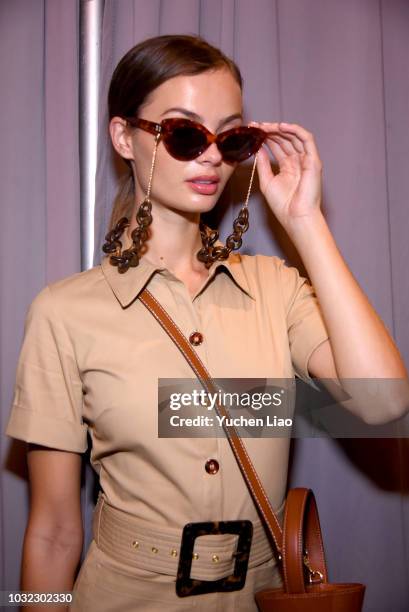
[[141, 70]]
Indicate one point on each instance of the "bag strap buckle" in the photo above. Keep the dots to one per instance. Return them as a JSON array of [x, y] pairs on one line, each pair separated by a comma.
[[314, 576]]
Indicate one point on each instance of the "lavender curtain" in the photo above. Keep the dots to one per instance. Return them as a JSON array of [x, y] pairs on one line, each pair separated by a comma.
[[40, 208], [338, 68]]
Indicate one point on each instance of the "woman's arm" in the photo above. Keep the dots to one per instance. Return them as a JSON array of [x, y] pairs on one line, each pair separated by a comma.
[[359, 345], [54, 535]]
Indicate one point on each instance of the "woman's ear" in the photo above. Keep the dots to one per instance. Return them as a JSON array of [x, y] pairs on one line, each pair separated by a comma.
[[121, 137]]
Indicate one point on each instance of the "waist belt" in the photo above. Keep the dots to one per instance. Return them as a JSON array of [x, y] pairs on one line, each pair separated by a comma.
[[139, 544]]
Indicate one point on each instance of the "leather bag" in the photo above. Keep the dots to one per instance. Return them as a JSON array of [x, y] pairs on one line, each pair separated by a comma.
[[299, 545]]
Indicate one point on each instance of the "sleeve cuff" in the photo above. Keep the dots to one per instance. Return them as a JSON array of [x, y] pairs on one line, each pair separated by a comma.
[[32, 427], [302, 351]]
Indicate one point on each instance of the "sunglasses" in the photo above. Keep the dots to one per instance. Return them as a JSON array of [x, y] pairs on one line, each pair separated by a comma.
[[185, 139]]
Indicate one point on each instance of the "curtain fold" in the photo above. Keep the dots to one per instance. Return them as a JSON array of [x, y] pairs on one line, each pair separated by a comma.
[[337, 68], [39, 188]]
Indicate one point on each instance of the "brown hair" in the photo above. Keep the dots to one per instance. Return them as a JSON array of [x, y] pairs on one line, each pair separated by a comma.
[[141, 70]]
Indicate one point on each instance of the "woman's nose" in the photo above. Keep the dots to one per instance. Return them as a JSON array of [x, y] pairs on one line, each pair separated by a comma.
[[212, 155]]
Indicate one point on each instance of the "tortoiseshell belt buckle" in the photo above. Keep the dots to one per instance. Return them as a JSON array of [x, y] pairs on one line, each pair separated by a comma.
[[185, 585]]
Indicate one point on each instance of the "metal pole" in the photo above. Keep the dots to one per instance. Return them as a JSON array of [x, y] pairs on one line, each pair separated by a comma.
[[90, 52], [91, 12]]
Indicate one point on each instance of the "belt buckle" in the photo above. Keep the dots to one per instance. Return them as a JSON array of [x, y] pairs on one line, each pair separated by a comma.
[[185, 585]]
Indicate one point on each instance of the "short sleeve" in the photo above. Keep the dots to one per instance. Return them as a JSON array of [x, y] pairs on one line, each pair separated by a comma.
[[47, 403], [305, 324]]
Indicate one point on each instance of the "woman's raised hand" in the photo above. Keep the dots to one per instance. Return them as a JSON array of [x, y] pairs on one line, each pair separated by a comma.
[[295, 192]]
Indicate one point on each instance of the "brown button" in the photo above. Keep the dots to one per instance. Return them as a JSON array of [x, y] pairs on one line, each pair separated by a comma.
[[196, 338], [212, 466]]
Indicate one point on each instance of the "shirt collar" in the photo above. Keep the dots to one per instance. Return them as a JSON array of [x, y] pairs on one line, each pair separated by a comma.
[[128, 285]]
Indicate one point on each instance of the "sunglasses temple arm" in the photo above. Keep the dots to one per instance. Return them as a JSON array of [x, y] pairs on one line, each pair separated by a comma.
[[147, 126]]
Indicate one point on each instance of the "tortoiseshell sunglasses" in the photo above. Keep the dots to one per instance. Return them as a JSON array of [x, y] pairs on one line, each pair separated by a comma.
[[185, 139]]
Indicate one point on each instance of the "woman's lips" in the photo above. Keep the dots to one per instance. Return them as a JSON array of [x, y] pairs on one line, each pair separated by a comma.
[[206, 185]]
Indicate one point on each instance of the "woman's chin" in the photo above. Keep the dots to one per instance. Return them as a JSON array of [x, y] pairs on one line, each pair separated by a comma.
[[202, 203], [187, 201]]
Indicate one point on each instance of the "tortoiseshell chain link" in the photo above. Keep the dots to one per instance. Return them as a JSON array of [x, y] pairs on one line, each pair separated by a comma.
[[207, 254], [130, 257]]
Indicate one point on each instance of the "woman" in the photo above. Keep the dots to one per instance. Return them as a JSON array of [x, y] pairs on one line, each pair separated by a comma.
[[93, 354]]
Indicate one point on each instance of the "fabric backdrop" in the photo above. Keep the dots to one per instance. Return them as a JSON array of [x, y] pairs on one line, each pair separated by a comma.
[[40, 207], [338, 68]]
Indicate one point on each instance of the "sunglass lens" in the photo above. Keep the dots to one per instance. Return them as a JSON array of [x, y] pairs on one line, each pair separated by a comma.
[[240, 145], [185, 142]]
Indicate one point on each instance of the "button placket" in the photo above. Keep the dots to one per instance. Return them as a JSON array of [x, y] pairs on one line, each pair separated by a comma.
[[192, 326], [188, 318]]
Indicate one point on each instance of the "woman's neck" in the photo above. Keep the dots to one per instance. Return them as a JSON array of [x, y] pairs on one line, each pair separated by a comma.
[[173, 242]]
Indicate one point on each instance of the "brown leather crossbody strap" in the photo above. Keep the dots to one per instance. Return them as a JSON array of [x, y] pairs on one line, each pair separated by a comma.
[[249, 473]]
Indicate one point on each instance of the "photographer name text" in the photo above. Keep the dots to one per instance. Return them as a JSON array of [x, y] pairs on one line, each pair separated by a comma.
[[240, 421]]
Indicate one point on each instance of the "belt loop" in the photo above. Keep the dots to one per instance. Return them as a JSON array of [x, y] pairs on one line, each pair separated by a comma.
[[96, 519]]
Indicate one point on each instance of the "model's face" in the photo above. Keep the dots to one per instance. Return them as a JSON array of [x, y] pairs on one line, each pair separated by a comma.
[[212, 98]]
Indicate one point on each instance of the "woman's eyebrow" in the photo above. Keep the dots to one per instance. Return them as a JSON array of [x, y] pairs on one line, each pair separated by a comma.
[[183, 111], [195, 117], [230, 118]]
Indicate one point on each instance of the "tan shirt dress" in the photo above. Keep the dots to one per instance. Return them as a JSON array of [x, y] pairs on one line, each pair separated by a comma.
[[90, 361]]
